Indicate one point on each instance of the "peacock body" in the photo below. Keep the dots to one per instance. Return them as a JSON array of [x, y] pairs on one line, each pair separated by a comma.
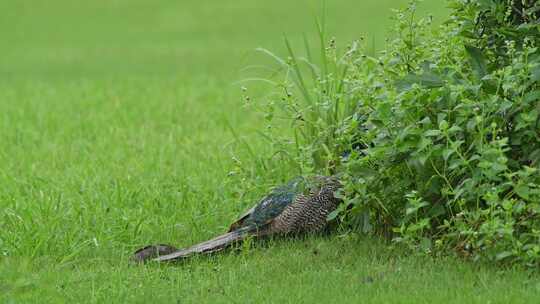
[[300, 206]]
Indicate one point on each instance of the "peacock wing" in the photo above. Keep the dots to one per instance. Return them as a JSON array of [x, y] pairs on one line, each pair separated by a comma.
[[271, 205], [241, 220]]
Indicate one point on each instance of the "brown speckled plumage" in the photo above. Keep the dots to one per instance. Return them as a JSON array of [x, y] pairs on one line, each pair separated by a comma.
[[308, 213]]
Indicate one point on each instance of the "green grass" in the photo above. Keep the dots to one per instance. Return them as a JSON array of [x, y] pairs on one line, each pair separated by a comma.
[[113, 132]]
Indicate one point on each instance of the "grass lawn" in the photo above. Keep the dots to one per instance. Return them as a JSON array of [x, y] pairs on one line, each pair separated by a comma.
[[113, 132]]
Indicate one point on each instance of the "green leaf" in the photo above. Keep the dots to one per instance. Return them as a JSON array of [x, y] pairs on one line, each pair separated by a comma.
[[437, 210], [535, 73], [427, 80], [477, 61], [443, 125], [423, 143], [522, 191], [432, 133], [446, 153], [413, 209], [503, 255], [333, 215], [531, 96], [454, 129], [505, 105], [507, 204], [485, 4]]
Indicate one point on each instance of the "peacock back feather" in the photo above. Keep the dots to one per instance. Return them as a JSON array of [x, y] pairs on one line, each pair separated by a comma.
[[275, 202]]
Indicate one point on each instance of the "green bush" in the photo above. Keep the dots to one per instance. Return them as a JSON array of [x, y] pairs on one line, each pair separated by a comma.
[[437, 139]]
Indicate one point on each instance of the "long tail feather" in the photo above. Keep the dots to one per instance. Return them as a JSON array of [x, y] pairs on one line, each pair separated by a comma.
[[151, 251], [216, 244]]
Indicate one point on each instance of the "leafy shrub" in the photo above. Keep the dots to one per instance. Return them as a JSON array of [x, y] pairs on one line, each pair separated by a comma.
[[437, 139]]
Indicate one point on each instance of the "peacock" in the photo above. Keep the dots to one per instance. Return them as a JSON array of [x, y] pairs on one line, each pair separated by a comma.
[[300, 206]]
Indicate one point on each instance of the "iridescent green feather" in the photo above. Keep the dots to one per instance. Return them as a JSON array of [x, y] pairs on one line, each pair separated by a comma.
[[274, 203]]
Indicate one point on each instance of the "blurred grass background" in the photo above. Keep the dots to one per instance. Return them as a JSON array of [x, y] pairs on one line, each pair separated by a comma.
[[103, 39]]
